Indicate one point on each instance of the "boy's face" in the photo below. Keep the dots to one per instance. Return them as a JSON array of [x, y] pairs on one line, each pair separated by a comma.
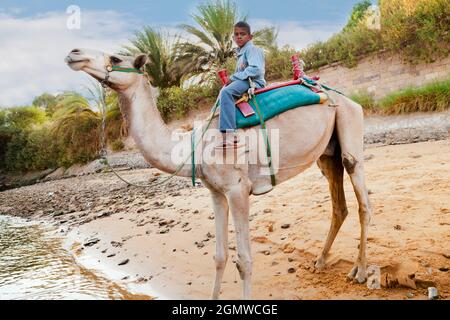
[[241, 36]]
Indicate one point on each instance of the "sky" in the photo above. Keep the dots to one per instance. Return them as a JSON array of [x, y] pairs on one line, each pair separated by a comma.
[[36, 35]]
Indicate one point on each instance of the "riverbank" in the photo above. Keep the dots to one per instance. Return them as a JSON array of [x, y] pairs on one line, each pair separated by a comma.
[[160, 242]]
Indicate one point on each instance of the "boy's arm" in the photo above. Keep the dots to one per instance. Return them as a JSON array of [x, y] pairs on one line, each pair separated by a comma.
[[255, 68]]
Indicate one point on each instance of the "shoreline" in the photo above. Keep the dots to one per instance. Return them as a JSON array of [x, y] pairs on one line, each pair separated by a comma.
[[167, 234]]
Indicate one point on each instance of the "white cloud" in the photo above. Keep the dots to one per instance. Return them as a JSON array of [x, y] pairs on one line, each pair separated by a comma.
[[32, 51], [295, 34]]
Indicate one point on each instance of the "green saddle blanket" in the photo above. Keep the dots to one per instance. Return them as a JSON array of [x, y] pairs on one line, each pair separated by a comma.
[[274, 102]]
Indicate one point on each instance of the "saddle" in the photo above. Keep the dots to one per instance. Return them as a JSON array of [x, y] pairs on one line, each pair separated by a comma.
[[276, 99]]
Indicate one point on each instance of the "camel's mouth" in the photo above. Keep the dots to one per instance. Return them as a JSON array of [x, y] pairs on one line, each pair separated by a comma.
[[75, 64]]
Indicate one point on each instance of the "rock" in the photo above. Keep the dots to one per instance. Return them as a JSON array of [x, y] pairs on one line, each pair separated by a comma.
[[91, 242], [291, 270], [288, 248], [116, 244], [398, 227], [124, 262], [443, 269], [433, 293], [410, 295], [267, 210], [270, 227], [285, 226], [111, 255], [104, 214], [373, 277]]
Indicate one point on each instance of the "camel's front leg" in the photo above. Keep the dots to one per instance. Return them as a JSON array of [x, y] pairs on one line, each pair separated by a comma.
[[220, 205], [240, 205]]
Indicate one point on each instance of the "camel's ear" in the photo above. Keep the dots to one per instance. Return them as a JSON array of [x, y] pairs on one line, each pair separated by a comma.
[[140, 61]]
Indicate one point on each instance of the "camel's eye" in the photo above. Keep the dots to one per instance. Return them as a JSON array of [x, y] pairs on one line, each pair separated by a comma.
[[115, 60]]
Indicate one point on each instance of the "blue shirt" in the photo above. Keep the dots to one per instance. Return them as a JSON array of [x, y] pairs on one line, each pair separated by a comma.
[[250, 64]]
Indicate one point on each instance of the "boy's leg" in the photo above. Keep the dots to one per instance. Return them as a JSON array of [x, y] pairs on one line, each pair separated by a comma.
[[227, 106]]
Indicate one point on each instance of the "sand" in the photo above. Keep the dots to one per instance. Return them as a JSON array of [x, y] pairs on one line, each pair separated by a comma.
[[164, 239]]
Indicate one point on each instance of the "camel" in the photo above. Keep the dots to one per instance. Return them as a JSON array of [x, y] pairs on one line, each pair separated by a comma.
[[331, 136]]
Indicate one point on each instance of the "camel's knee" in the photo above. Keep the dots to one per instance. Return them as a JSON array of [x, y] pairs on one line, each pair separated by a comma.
[[349, 162], [340, 215], [221, 261], [244, 266]]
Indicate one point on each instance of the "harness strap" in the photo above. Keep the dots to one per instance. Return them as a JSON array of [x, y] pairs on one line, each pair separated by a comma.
[[266, 141]]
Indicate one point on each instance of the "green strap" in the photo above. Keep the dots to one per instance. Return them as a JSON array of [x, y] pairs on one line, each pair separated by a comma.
[[128, 70], [266, 141], [194, 145], [193, 156]]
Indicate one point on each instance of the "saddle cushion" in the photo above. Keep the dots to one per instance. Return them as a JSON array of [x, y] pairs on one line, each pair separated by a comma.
[[274, 102]]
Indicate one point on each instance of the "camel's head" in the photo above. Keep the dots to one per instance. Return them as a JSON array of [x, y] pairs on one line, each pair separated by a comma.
[[117, 71]]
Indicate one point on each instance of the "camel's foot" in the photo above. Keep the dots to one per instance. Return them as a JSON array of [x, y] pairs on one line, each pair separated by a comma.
[[358, 273], [319, 263]]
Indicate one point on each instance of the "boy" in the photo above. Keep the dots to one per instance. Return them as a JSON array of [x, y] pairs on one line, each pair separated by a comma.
[[250, 65]]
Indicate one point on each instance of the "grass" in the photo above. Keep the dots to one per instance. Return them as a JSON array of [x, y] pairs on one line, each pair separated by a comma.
[[434, 96], [431, 97]]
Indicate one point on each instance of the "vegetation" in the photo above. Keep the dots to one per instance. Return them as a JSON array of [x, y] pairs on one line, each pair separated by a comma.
[[431, 97], [419, 30]]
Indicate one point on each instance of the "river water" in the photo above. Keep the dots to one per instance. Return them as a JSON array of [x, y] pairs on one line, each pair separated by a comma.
[[34, 265]]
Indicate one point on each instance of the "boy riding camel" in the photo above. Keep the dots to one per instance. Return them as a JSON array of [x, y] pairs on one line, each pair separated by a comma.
[[250, 67]]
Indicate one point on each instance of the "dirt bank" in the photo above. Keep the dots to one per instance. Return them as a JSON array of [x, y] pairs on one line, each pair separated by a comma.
[[161, 241]]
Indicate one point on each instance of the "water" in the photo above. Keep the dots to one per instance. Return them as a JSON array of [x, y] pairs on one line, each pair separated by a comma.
[[34, 265]]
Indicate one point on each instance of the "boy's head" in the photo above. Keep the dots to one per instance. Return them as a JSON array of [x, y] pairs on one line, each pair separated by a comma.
[[242, 33]]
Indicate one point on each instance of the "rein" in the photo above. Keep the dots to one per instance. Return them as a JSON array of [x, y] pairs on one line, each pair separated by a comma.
[[104, 152]]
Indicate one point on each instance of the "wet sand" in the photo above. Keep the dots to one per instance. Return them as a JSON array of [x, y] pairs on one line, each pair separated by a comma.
[[161, 242]]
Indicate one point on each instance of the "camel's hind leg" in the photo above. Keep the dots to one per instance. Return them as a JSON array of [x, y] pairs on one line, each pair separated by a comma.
[[350, 130], [333, 170]]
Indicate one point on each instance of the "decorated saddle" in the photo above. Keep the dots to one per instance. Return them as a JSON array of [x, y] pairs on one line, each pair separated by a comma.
[[276, 99]]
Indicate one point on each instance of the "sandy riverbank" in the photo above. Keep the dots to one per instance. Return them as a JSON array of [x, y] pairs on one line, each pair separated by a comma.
[[164, 238]]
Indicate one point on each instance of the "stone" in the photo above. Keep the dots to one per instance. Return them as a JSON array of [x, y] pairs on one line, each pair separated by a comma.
[[373, 277], [267, 210], [124, 262], [433, 293], [443, 269], [91, 242], [285, 226], [291, 270]]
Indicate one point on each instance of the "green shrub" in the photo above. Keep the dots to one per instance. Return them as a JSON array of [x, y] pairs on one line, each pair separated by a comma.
[[24, 117], [366, 100], [418, 29], [432, 97], [117, 145], [176, 102], [278, 64]]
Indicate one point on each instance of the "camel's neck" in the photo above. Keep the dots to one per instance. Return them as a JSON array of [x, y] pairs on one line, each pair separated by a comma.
[[147, 128]]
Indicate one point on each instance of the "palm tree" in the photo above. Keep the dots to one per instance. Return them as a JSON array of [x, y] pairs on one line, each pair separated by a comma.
[[76, 130], [160, 48], [215, 20]]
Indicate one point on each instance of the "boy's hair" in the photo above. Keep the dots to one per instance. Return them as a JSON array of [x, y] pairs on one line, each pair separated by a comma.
[[244, 25]]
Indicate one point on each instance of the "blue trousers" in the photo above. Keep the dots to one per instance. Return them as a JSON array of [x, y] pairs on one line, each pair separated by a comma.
[[227, 107]]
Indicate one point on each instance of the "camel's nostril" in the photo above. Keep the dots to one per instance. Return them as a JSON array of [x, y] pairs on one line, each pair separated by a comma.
[[76, 51]]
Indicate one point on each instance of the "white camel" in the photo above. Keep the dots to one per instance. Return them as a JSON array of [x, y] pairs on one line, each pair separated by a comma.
[[330, 136]]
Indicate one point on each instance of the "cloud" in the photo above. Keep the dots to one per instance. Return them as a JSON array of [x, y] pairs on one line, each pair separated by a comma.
[[33, 50], [296, 35]]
